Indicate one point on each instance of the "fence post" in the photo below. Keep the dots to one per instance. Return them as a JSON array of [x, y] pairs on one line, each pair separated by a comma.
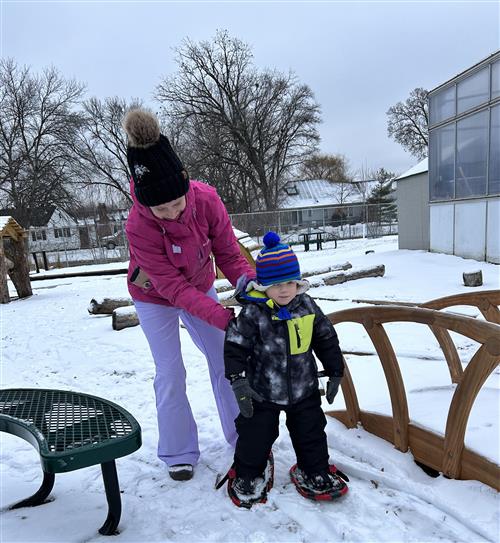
[[37, 268]]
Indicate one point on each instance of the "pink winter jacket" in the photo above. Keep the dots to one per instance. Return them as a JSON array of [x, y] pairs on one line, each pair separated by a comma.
[[176, 254]]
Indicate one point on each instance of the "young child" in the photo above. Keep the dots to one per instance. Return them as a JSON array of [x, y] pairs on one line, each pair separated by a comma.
[[269, 362]]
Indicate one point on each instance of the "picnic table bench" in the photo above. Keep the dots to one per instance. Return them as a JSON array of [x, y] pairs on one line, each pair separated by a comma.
[[71, 430], [318, 237]]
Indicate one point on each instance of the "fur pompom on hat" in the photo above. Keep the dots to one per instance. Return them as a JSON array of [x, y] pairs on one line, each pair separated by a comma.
[[142, 128], [158, 174]]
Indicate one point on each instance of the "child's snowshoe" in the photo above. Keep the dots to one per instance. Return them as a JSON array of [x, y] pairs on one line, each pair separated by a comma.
[[321, 486], [244, 491]]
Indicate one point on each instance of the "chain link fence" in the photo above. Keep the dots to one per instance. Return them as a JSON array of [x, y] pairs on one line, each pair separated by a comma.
[[77, 245], [338, 222]]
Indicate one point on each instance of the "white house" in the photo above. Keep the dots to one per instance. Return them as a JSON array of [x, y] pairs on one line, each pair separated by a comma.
[[319, 202]]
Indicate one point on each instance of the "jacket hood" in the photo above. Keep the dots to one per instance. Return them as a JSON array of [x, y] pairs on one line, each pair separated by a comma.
[[278, 312]]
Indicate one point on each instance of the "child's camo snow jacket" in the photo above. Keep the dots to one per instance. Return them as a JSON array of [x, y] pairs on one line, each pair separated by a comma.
[[274, 347]]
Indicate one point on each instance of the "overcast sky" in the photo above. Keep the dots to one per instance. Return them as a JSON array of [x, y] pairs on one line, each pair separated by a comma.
[[359, 58]]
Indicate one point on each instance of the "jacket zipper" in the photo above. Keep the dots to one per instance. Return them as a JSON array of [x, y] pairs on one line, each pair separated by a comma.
[[288, 364], [297, 333]]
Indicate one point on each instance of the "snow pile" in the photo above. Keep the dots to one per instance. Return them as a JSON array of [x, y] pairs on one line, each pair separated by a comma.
[[50, 340]]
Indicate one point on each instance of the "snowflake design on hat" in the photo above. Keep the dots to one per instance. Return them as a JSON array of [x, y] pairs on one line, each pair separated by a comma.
[[140, 170]]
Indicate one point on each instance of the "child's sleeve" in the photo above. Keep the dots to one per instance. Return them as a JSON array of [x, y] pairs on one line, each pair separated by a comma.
[[238, 343], [325, 344]]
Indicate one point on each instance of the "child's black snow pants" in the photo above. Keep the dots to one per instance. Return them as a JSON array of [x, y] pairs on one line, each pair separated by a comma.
[[306, 423]]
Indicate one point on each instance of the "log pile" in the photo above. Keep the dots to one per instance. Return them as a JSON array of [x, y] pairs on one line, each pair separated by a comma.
[[124, 314]]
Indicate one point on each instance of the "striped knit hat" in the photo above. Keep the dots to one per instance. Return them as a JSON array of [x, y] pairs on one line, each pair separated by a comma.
[[276, 263]]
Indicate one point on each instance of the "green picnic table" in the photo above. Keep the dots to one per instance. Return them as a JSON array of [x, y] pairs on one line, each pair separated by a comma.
[[71, 430]]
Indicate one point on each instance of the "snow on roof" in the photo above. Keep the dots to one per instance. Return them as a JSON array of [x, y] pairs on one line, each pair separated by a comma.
[[421, 167], [4, 220], [9, 227], [319, 192]]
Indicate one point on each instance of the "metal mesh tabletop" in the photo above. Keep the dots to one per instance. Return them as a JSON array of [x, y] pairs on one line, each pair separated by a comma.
[[63, 421]]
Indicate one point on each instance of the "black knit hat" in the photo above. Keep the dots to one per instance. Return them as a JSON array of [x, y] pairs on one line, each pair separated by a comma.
[[158, 173]]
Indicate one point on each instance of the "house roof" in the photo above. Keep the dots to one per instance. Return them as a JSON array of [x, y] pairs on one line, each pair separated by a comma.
[[39, 216], [10, 228], [319, 193], [421, 167]]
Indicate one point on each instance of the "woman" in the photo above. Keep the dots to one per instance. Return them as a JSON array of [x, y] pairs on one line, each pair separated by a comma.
[[173, 227]]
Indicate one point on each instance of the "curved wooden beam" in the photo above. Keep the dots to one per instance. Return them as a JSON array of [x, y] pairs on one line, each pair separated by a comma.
[[475, 374], [476, 299], [477, 330], [350, 398], [450, 353], [395, 384]]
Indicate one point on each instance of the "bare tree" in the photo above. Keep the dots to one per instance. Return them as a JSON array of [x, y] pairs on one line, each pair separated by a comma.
[[407, 123], [37, 119], [101, 147], [252, 128]]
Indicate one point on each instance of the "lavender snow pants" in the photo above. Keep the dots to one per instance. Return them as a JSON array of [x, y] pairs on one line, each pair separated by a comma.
[[178, 435]]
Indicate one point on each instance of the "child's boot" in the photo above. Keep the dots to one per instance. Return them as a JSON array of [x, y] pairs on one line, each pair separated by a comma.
[[245, 491], [321, 486]]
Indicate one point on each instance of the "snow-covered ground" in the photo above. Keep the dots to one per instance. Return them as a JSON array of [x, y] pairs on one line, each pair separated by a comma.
[[50, 340]]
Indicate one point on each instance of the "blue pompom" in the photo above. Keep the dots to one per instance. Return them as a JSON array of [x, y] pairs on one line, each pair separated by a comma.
[[271, 239]]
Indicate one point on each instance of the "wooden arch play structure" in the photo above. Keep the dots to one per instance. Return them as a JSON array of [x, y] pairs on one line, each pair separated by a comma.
[[446, 454], [13, 259], [246, 245]]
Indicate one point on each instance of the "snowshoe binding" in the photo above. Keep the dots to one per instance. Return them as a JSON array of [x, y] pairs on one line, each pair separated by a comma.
[[325, 486], [246, 491]]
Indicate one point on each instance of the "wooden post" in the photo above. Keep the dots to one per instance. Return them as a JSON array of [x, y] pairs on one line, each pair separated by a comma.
[[17, 251], [4, 288], [37, 268], [15, 247]]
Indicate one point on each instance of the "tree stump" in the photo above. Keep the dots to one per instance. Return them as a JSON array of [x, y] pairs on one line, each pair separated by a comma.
[[124, 317], [473, 279]]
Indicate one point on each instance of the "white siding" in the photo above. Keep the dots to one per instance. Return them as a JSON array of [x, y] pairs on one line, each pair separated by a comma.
[[441, 236], [470, 231], [493, 232]]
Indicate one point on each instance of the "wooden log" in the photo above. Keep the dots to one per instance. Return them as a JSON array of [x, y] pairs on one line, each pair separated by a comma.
[[337, 278], [473, 279], [106, 306], [335, 267], [124, 317]]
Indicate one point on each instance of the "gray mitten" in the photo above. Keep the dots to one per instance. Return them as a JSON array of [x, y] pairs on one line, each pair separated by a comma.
[[332, 387], [241, 284], [244, 394]]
